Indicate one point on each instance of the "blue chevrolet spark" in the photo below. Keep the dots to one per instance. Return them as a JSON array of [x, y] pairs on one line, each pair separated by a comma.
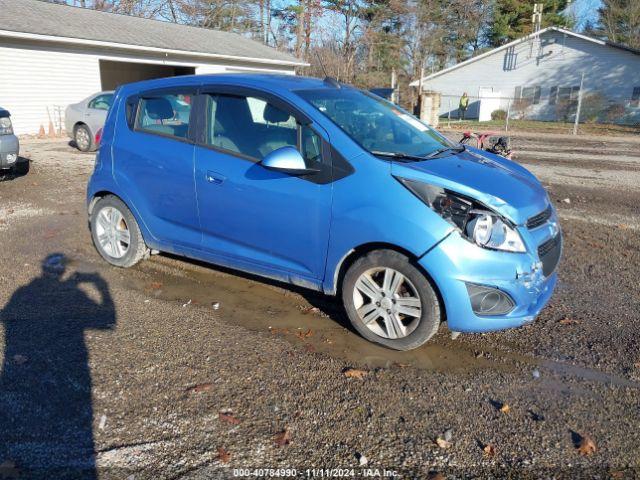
[[319, 184]]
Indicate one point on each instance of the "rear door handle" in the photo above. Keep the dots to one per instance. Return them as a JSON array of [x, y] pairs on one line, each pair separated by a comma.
[[214, 177]]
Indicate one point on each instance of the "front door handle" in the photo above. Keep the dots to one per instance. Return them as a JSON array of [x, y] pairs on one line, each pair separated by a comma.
[[214, 177]]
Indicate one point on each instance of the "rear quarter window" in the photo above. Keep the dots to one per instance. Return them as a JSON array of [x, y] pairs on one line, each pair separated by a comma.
[[167, 115]]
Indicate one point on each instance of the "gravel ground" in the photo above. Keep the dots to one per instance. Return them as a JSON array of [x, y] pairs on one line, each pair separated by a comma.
[[175, 369]]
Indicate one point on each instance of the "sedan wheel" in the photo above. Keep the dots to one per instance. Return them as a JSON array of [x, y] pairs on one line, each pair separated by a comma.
[[82, 138]]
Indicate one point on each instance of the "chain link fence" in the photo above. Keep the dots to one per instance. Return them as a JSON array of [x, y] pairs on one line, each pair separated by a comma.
[[562, 109]]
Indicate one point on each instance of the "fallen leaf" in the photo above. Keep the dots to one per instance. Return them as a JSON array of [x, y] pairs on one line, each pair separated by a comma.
[[586, 445], [489, 450], [354, 373], [402, 365], [201, 387], [283, 438], [223, 455], [156, 285], [505, 408], [228, 418], [442, 443], [307, 334], [568, 321]]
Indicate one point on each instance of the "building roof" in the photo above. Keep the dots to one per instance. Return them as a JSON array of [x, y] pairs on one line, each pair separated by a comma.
[[35, 19], [525, 39]]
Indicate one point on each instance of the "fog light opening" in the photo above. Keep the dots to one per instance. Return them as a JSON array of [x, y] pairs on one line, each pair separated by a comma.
[[488, 300]]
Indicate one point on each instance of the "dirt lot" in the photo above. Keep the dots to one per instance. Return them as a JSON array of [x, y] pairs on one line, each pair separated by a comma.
[[175, 369]]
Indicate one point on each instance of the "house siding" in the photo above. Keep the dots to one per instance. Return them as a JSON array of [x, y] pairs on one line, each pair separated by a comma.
[[37, 75], [554, 59]]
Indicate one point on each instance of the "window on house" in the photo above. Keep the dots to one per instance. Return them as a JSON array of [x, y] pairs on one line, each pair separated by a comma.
[[531, 94], [575, 92], [564, 94], [635, 97], [553, 95]]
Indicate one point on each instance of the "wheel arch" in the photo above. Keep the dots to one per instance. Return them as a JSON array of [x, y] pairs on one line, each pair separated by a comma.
[[357, 252], [80, 123]]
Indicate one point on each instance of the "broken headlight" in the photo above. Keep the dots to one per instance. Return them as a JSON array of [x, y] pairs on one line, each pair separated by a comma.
[[475, 222], [5, 126]]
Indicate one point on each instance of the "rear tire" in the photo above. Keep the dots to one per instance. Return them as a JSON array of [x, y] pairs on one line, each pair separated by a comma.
[[116, 234], [389, 301], [83, 138], [21, 167]]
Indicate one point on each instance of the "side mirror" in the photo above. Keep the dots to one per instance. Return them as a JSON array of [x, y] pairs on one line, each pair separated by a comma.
[[287, 160]]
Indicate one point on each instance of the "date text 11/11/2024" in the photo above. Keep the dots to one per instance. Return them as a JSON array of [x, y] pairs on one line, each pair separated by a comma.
[[315, 473]]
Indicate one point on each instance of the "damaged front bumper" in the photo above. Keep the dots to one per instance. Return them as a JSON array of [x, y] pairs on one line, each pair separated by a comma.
[[455, 263]]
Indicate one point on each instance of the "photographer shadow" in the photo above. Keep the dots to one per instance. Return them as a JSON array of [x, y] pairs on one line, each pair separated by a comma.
[[46, 412]]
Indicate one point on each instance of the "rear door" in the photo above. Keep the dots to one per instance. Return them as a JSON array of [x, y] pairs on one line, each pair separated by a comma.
[[153, 155], [259, 219]]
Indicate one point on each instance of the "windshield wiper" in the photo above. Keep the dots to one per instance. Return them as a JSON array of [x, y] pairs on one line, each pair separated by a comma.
[[398, 155], [440, 151]]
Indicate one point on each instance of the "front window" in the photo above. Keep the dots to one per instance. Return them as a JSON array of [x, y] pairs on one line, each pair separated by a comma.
[[253, 127], [375, 124], [102, 102]]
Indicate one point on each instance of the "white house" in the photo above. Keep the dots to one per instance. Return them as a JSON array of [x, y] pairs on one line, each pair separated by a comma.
[[543, 72], [52, 55]]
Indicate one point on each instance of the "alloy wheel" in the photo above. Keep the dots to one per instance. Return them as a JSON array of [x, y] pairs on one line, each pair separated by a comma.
[[387, 303], [112, 232], [82, 139]]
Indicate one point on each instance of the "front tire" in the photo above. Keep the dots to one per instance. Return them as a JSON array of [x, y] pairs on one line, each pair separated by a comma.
[[21, 167], [116, 234], [389, 301], [83, 138]]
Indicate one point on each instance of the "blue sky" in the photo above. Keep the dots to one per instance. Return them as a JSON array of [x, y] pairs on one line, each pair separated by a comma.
[[585, 11]]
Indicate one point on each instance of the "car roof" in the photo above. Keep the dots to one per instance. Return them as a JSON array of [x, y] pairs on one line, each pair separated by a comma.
[[258, 80], [4, 113]]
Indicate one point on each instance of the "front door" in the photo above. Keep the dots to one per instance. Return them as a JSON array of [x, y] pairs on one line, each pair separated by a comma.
[[259, 219]]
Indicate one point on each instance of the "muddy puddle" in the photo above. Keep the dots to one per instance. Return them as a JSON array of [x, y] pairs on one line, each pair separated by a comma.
[[306, 319], [316, 322]]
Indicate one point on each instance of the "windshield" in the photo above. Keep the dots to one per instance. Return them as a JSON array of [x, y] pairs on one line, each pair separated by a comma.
[[377, 125]]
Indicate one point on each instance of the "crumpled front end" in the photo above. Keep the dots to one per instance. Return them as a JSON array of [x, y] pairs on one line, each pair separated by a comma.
[[485, 290]]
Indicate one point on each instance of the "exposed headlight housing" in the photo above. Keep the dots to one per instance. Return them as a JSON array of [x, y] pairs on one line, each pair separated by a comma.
[[5, 126], [476, 222]]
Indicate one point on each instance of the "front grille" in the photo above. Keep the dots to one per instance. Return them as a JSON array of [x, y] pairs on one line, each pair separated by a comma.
[[539, 219], [549, 253]]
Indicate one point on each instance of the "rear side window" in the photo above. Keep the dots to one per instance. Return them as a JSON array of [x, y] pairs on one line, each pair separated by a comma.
[[167, 115]]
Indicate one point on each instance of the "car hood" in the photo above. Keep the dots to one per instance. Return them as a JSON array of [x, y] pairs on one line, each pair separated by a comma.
[[500, 184]]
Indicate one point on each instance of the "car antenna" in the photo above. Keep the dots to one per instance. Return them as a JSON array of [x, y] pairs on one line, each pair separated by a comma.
[[327, 79]]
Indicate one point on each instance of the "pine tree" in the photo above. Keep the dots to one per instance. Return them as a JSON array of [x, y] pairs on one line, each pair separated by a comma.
[[512, 19]]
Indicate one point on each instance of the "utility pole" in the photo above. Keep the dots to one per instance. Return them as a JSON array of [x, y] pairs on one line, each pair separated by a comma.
[[394, 95], [536, 18], [575, 125]]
